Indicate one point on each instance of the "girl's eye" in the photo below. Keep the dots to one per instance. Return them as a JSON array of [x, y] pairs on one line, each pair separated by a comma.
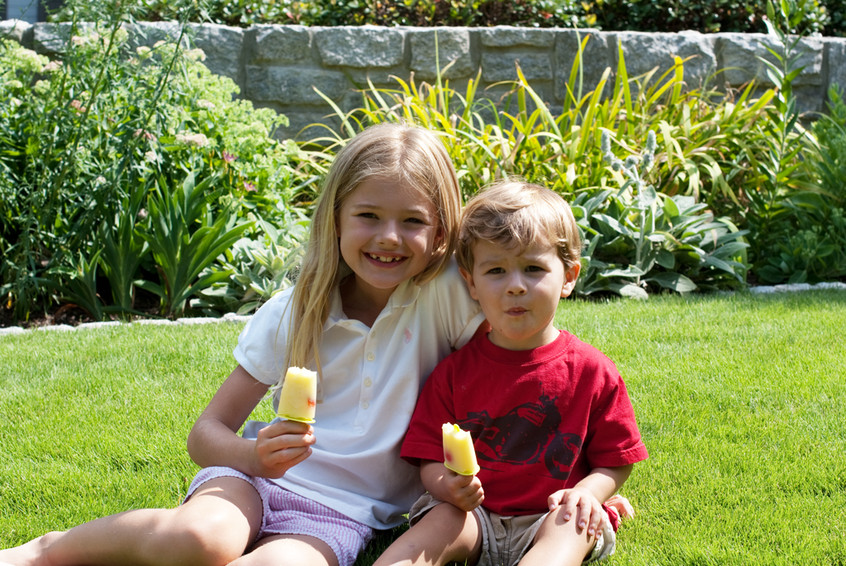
[[366, 215], [415, 220]]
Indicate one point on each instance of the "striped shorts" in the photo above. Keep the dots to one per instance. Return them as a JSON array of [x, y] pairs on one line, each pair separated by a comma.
[[286, 513]]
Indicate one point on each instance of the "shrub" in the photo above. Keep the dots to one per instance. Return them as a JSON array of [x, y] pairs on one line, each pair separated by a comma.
[[705, 16], [818, 16], [80, 163], [244, 13], [807, 242]]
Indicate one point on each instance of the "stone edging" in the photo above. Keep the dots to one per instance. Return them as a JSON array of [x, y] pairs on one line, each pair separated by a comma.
[[231, 317], [228, 317]]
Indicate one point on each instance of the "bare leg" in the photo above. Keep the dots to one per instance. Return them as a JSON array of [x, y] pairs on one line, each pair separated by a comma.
[[297, 551], [214, 527], [559, 543], [444, 534]]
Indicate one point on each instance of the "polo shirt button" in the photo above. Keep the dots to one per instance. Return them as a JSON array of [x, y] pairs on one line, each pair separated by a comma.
[[368, 382], [370, 356], [365, 405]]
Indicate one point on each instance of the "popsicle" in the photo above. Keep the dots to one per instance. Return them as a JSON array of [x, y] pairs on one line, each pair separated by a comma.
[[298, 398], [459, 455]]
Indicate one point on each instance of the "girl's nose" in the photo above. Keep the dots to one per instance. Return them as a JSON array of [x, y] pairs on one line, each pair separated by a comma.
[[389, 234]]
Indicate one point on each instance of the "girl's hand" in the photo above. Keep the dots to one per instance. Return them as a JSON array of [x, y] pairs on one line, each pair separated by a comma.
[[281, 446], [465, 492], [580, 504]]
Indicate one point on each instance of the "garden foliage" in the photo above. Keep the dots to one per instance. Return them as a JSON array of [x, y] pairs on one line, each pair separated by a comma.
[[164, 193], [127, 166], [818, 16], [533, 13]]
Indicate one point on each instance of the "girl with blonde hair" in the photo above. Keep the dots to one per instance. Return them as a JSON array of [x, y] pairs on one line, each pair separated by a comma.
[[379, 301]]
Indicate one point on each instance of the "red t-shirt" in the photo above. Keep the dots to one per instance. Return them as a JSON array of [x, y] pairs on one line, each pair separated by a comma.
[[540, 419]]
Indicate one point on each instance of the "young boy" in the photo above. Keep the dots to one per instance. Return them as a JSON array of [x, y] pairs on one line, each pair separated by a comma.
[[552, 424]]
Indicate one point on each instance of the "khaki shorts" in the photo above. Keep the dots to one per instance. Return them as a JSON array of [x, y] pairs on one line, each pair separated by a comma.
[[505, 540]]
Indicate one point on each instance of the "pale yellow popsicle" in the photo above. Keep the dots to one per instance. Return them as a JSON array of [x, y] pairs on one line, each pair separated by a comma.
[[298, 398], [459, 455]]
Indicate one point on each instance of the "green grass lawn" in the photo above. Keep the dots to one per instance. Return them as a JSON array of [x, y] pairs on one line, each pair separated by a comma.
[[741, 400]]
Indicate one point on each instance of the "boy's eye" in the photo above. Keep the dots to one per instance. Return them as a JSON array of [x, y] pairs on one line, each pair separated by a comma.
[[534, 268], [495, 271]]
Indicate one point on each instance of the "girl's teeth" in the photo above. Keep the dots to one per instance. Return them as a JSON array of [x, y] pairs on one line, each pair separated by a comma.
[[384, 259]]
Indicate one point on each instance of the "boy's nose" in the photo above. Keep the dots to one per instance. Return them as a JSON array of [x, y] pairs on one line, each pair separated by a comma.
[[516, 286]]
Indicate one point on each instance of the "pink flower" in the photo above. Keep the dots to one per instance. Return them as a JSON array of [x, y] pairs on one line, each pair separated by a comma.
[[249, 187], [228, 157], [147, 135]]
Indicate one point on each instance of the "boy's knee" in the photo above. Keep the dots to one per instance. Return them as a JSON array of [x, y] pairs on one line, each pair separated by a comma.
[[557, 530], [448, 517]]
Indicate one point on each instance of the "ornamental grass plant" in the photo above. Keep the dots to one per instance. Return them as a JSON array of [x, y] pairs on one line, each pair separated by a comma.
[[739, 397]]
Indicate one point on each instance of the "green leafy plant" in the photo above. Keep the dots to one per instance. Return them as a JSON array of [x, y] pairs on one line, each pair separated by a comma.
[[124, 251], [185, 239], [787, 190], [638, 239], [830, 130], [260, 266], [813, 254]]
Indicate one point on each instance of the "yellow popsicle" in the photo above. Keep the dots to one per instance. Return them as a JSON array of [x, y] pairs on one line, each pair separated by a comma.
[[459, 455], [298, 398]]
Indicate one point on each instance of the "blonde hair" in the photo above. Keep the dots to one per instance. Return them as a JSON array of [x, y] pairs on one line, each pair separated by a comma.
[[516, 213], [410, 155]]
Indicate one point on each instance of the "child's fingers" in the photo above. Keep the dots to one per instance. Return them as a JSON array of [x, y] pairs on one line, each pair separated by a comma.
[[470, 498], [595, 523], [569, 505], [590, 517], [282, 427], [554, 500]]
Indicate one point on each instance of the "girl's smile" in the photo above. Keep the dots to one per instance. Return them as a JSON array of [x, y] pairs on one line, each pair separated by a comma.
[[388, 233]]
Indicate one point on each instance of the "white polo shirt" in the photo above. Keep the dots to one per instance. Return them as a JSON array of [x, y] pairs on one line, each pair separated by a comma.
[[371, 380]]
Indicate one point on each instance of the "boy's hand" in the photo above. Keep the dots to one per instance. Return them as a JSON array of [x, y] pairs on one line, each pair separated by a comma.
[[465, 492], [281, 446], [579, 504]]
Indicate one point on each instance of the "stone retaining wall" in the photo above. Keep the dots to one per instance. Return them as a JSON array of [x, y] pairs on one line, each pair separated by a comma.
[[284, 67]]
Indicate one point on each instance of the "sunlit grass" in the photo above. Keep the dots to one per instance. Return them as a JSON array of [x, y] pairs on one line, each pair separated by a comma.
[[740, 398]]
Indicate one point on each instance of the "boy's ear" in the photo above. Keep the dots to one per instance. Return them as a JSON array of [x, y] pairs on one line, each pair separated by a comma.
[[570, 277], [468, 278]]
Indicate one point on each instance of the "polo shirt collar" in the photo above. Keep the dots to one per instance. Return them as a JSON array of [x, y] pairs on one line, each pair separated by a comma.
[[403, 296]]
